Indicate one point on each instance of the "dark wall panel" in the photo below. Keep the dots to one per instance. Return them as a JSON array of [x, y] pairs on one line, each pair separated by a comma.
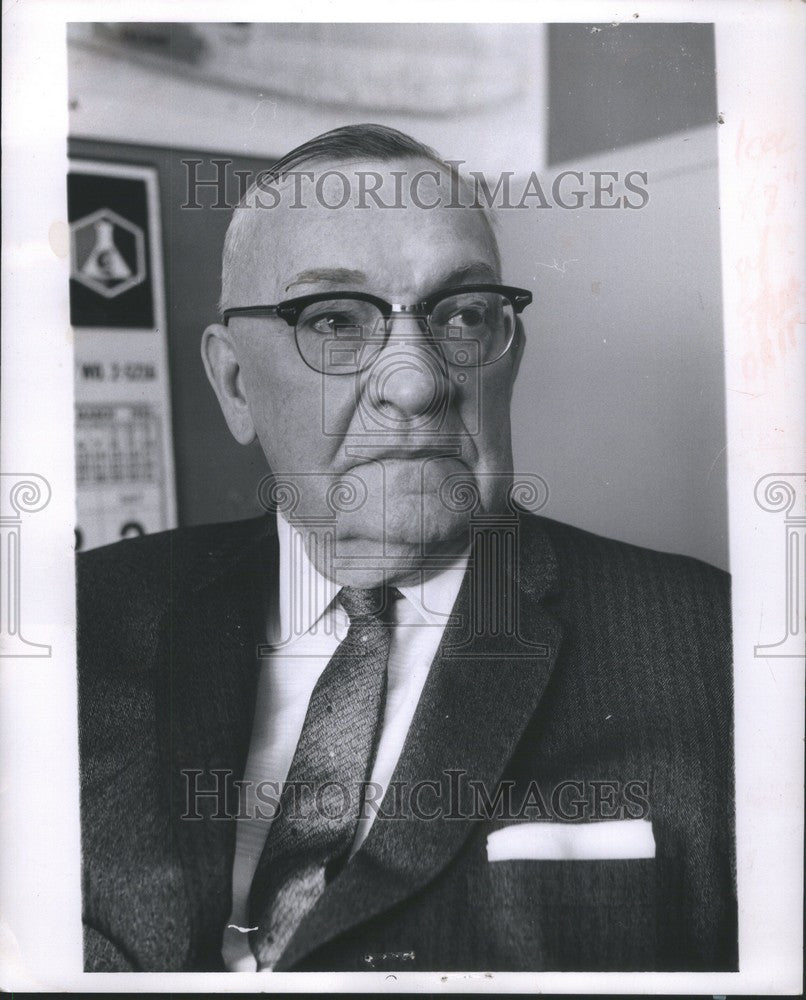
[[613, 85]]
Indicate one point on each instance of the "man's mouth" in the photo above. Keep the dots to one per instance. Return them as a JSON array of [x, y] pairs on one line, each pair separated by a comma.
[[405, 454]]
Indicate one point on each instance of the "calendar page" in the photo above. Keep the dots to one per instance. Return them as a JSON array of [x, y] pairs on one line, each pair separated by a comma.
[[124, 452]]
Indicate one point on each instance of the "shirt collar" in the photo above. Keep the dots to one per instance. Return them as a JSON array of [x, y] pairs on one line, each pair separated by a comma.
[[306, 594]]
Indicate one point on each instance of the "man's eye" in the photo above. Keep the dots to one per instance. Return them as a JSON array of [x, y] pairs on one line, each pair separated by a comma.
[[329, 323], [469, 316]]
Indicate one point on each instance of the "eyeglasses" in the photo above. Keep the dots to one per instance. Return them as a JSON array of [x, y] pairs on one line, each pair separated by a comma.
[[341, 333]]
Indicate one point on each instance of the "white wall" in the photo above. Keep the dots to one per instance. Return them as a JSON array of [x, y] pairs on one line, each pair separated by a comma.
[[620, 401], [134, 100]]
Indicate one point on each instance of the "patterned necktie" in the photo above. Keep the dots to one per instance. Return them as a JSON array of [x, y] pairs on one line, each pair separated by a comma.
[[321, 799]]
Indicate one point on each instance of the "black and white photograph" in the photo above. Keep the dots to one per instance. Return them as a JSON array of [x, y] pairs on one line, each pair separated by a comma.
[[413, 502]]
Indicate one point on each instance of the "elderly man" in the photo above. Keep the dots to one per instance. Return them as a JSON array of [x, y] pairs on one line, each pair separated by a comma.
[[399, 722]]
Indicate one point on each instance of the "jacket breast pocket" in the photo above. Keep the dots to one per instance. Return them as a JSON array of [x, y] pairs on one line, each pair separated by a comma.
[[577, 915]]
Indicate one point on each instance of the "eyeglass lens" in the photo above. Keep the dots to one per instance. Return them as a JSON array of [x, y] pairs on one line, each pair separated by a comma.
[[343, 336]]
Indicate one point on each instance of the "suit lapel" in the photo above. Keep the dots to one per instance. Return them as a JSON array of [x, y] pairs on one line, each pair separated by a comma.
[[209, 641], [483, 688]]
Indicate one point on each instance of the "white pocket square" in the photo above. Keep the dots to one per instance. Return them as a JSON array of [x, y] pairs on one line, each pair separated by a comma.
[[606, 840]]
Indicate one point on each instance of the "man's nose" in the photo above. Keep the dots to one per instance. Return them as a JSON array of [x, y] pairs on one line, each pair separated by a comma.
[[408, 382]]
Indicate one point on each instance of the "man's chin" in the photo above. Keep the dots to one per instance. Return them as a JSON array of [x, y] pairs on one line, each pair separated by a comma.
[[361, 563], [366, 555]]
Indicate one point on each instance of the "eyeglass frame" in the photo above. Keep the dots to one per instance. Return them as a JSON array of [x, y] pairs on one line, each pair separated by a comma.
[[291, 309]]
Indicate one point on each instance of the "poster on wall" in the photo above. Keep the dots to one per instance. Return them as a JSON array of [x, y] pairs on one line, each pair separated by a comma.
[[124, 451]]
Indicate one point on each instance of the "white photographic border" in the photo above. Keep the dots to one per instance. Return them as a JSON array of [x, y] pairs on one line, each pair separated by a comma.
[[761, 80]]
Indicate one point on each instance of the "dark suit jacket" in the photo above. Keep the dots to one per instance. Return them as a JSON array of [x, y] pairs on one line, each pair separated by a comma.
[[620, 673]]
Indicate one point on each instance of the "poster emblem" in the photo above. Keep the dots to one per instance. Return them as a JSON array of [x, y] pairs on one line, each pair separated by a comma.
[[108, 253]]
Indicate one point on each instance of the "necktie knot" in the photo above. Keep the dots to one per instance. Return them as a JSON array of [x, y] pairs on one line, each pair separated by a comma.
[[365, 605]]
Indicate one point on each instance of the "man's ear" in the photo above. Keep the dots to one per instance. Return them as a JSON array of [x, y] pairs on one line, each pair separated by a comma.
[[224, 372]]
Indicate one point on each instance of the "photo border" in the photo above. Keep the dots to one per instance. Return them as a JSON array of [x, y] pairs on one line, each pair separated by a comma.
[[760, 73]]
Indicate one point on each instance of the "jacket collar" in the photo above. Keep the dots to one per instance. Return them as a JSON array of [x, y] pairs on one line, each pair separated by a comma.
[[210, 636]]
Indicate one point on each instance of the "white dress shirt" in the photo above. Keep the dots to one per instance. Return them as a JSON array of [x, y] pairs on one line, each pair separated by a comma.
[[309, 625]]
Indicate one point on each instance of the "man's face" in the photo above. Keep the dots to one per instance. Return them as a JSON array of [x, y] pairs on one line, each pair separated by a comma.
[[384, 446]]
